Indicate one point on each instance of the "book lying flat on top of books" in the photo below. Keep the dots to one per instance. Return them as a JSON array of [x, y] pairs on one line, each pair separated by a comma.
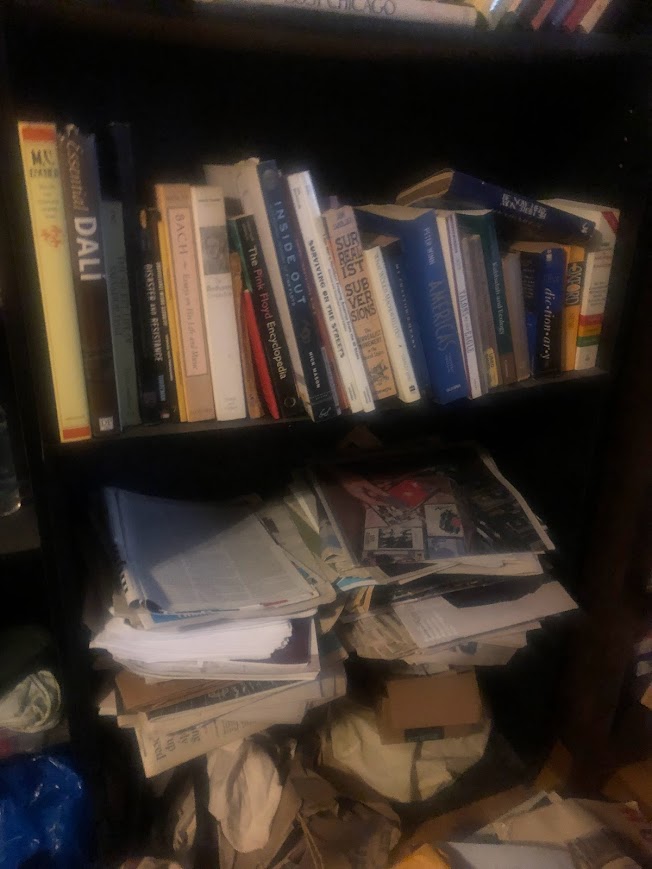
[[459, 190], [401, 514], [192, 557]]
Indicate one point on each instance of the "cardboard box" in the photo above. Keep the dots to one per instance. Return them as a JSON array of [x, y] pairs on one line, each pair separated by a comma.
[[447, 705]]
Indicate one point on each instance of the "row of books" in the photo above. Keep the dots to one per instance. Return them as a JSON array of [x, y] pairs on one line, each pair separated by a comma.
[[568, 15], [243, 296], [571, 16]]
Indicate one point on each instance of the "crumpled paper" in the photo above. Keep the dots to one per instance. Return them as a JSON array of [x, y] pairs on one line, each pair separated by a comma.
[[33, 705], [403, 772], [320, 826], [245, 791]]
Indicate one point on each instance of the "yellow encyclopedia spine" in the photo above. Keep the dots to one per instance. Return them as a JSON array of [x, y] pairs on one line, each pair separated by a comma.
[[570, 319], [38, 146]]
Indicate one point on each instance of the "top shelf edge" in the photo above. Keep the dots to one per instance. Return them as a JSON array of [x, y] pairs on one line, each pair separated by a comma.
[[301, 32]]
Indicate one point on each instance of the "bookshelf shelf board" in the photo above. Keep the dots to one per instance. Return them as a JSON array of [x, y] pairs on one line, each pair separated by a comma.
[[296, 31], [516, 391], [19, 531]]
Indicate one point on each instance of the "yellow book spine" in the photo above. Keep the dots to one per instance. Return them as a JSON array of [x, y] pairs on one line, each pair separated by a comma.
[[173, 325], [570, 318], [38, 146], [175, 207]]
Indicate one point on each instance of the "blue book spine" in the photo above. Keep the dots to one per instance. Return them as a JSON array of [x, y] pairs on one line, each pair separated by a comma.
[[543, 277], [541, 218], [393, 263], [428, 287], [560, 12], [529, 280], [323, 404], [551, 302]]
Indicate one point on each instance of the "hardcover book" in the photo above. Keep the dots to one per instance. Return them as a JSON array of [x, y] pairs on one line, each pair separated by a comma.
[[543, 272], [481, 223], [344, 343], [516, 308], [38, 146], [175, 207], [452, 189], [259, 356], [349, 261], [81, 194], [597, 273], [570, 320], [385, 303], [254, 406], [267, 316], [422, 11], [119, 182], [393, 257], [243, 193], [427, 281], [217, 296], [480, 310], [172, 319], [163, 404], [458, 280], [320, 397], [117, 284]]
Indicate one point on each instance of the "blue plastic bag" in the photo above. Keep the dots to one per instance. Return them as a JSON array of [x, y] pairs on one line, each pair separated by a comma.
[[45, 813]]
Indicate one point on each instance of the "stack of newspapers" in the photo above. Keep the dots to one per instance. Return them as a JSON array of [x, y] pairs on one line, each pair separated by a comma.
[[213, 630], [231, 617]]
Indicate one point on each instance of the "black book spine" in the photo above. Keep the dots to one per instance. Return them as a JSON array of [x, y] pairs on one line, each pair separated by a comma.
[[120, 169], [158, 349], [81, 191], [323, 403], [267, 319]]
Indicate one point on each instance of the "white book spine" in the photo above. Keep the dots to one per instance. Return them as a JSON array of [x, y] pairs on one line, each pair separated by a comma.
[[592, 305], [422, 11], [122, 339], [451, 245], [406, 382], [595, 13], [253, 202], [313, 240], [217, 298]]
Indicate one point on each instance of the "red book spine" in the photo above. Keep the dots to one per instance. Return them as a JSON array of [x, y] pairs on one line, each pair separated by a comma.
[[579, 10], [258, 353]]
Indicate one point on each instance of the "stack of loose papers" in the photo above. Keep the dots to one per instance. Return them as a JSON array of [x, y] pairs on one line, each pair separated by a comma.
[[440, 553], [224, 598]]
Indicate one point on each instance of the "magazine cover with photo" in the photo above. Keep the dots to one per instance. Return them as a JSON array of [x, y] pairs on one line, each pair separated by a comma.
[[404, 510]]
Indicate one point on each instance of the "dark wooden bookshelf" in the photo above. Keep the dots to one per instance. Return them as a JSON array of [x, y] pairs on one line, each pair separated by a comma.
[[19, 532], [386, 412], [545, 113]]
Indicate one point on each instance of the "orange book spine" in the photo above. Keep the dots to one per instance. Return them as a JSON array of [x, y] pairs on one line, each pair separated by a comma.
[[175, 206]]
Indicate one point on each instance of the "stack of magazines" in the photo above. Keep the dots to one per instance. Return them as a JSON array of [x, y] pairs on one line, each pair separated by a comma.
[[231, 617]]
